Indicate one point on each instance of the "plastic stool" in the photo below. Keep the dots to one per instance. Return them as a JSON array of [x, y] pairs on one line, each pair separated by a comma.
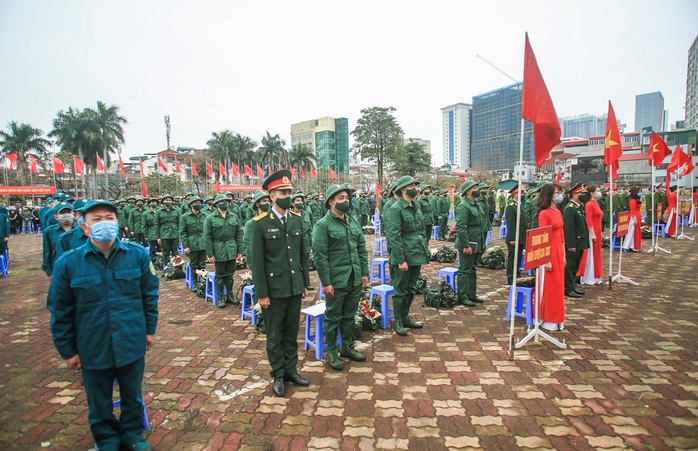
[[503, 230], [376, 218], [180, 248], [211, 291], [379, 270], [315, 313], [434, 232], [39, 231], [380, 246], [3, 266], [321, 293], [188, 277], [247, 309], [523, 259], [524, 299], [449, 275], [377, 228], [489, 239], [384, 291], [660, 229]]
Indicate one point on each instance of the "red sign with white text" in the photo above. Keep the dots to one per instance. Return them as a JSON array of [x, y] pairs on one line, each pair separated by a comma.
[[223, 188], [24, 190], [537, 247], [623, 222]]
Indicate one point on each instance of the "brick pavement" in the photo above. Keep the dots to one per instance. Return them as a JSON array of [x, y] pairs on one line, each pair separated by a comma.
[[628, 378]]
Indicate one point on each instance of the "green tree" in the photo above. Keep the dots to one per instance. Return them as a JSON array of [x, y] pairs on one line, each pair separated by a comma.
[[243, 149], [23, 140], [411, 159], [75, 131], [302, 157], [377, 137], [110, 128], [220, 149], [273, 152]]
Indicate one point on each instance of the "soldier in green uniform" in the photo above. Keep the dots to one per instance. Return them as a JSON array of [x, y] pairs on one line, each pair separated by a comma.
[[501, 202], [63, 212], [529, 207], [128, 208], [261, 204], [404, 228], [342, 264], [148, 224], [576, 238], [122, 215], [511, 236], [167, 228], [135, 222], [191, 234], [362, 209], [315, 207], [185, 208], [280, 275], [469, 242], [485, 218], [223, 242], [299, 208], [381, 204], [603, 204], [208, 205], [443, 209], [425, 205]]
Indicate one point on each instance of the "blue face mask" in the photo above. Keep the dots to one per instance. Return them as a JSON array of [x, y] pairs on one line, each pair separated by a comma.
[[104, 231], [81, 220], [557, 198]]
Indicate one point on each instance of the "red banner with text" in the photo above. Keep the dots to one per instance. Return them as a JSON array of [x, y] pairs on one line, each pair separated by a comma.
[[27, 190], [623, 220], [233, 188], [537, 247]]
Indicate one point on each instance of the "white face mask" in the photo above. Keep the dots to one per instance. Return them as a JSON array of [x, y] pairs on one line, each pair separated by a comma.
[[598, 194]]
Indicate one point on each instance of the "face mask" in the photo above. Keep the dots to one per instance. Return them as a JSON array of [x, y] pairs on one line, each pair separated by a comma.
[[283, 202], [425, 193], [153, 206], [412, 192], [223, 206], [299, 205], [598, 194], [343, 206], [104, 231], [557, 198], [264, 207], [167, 204], [81, 220], [584, 198], [476, 194], [66, 218], [139, 206], [197, 207], [130, 202]]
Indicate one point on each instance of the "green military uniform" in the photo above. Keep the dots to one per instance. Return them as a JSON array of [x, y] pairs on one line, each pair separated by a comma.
[[381, 204], [501, 204], [427, 213], [128, 208], [339, 249], [191, 234], [404, 228], [603, 204], [485, 217], [122, 215], [362, 209], [135, 222], [468, 230], [307, 222], [148, 224], [223, 241], [444, 208], [576, 237], [511, 209], [208, 205], [184, 208], [280, 273], [256, 205], [167, 228]]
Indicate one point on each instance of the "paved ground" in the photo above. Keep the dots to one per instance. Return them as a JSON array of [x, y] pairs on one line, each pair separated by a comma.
[[627, 380]]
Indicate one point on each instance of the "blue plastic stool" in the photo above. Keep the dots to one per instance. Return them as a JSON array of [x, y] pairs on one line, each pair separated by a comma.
[[379, 270], [188, 277], [376, 218], [449, 275], [524, 300], [503, 230], [434, 232], [384, 291], [211, 291], [321, 293], [377, 228], [39, 231], [660, 229], [523, 259], [180, 248], [247, 304], [489, 239], [3, 266], [315, 314], [380, 246]]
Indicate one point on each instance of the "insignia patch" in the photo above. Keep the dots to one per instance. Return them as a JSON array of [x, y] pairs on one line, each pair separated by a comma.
[[272, 230], [152, 269]]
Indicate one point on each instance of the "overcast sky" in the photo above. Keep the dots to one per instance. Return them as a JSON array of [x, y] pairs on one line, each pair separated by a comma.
[[252, 66]]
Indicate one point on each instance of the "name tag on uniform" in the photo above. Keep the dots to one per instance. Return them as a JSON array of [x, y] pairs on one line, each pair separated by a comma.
[[272, 230]]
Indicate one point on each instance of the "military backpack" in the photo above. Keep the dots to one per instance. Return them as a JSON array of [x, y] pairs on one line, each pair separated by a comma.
[[174, 269], [494, 258], [447, 254], [440, 295], [421, 285]]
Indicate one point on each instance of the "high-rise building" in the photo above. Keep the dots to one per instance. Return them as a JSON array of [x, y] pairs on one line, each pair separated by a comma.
[[649, 111], [692, 87], [456, 134], [496, 129], [583, 126], [328, 138]]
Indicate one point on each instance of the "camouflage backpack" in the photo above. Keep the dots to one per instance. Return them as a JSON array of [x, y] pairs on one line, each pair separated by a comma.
[[421, 285], [241, 264], [440, 295], [446, 254], [450, 234], [494, 258], [174, 269]]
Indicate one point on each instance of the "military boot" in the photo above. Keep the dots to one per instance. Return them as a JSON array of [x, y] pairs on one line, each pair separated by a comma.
[[332, 355], [350, 352], [232, 300], [406, 320], [221, 301], [399, 327], [465, 301]]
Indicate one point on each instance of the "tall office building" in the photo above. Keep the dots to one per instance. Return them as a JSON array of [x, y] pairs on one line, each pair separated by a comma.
[[328, 138], [583, 126], [692, 87], [456, 134], [496, 129], [649, 111]]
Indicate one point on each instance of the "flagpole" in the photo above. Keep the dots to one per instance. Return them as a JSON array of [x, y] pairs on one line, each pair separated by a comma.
[[683, 236], [610, 254], [654, 209]]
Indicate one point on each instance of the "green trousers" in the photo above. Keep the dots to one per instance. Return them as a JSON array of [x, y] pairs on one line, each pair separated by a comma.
[[510, 262], [404, 283], [573, 261], [282, 318], [442, 223], [154, 247], [169, 248], [466, 279], [340, 313], [197, 260], [224, 276]]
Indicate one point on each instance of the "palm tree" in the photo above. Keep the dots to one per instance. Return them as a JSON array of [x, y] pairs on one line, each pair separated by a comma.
[[243, 149], [302, 157], [220, 147], [111, 131], [273, 150], [23, 140], [77, 133]]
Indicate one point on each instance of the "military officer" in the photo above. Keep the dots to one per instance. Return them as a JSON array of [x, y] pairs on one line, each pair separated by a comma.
[[339, 249], [63, 212], [148, 224], [469, 242], [280, 275], [191, 234], [135, 222], [404, 228], [576, 238], [511, 236], [167, 228], [425, 204], [223, 242], [103, 301]]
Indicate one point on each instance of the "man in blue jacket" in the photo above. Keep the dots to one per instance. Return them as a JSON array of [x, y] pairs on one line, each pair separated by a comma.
[[103, 301]]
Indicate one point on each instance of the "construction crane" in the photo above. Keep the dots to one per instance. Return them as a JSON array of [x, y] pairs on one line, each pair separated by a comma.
[[500, 70]]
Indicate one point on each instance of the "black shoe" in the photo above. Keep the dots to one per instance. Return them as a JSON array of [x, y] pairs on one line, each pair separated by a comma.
[[579, 291], [297, 379], [477, 299], [310, 288], [408, 322], [573, 294], [278, 386]]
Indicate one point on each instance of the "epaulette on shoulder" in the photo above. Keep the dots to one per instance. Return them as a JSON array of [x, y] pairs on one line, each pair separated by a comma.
[[513, 202], [294, 213], [261, 216]]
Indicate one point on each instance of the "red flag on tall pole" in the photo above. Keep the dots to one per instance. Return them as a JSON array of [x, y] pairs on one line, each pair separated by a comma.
[[32, 163], [222, 170], [162, 165], [144, 189], [248, 171], [100, 165], [688, 169], [78, 166], [193, 170], [332, 174], [658, 150], [209, 170], [11, 164], [58, 166], [121, 167], [537, 107], [678, 159], [236, 170], [614, 147], [558, 177], [178, 168], [260, 172], [313, 173], [140, 163]]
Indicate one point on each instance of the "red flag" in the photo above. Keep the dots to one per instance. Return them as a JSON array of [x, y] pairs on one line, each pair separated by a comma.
[[32, 162], [378, 193], [140, 163], [11, 164], [78, 166], [678, 158], [58, 166], [248, 171], [614, 148], [121, 167], [302, 174], [178, 168], [688, 169], [558, 177], [100, 165], [209, 170], [260, 173], [313, 173], [162, 165], [271, 171], [332, 175], [144, 189], [236, 170], [193, 170], [222, 170], [537, 107], [658, 150]]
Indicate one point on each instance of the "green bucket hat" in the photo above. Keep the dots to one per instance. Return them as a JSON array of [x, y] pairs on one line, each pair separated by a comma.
[[334, 189], [192, 200], [404, 181], [466, 186], [259, 195], [219, 198]]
